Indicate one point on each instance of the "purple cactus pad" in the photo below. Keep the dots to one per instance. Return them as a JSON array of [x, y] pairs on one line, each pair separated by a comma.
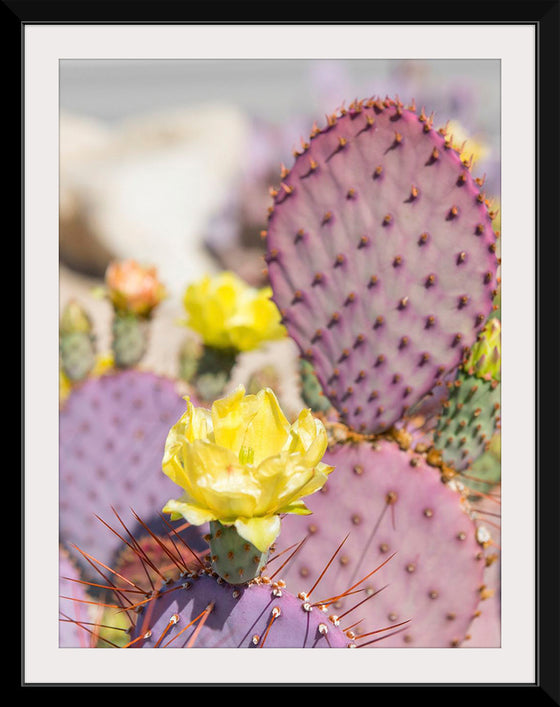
[[73, 609], [391, 501], [381, 257], [202, 611], [112, 436]]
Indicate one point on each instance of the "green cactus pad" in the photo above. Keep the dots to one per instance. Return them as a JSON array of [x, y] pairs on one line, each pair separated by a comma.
[[470, 417], [233, 558], [486, 471], [212, 370], [77, 354], [311, 390], [130, 339]]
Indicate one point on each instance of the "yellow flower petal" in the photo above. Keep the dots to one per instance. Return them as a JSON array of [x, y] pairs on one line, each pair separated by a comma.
[[243, 464], [261, 532], [195, 423], [191, 513], [282, 479], [298, 507], [267, 429], [216, 480], [308, 436], [230, 416]]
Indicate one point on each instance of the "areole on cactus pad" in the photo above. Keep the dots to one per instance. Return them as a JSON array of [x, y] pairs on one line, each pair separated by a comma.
[[381, 257], [389, 503], [179, 601], [112, 436]]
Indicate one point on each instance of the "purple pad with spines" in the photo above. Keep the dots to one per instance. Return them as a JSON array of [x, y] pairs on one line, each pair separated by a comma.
[[112, 437], [380, 254], [241, 617], [435, 577]]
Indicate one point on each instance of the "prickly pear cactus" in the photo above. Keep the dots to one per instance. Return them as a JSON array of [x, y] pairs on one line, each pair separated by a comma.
[[112, 436], [468, 420], [485, 631], [471, 415], [213, 370], [77, 342], [381, 257], [135, 292], [486, 471], [151, 556], [201, 612], [234, 558], [311, 391], [130, 339], [392, 504], [192, 606]]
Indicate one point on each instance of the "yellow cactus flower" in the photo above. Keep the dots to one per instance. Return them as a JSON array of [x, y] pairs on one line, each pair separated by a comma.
[[228, 313], [133, 288], [243, 464]]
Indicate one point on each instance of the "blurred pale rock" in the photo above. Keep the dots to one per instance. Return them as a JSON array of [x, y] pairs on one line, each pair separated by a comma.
[[146, 188]]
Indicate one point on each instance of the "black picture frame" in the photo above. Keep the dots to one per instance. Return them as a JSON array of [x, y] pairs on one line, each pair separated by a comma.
[[545, 17]]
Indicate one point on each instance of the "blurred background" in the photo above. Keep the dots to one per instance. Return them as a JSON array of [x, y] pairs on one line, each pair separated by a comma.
[[170, 162]]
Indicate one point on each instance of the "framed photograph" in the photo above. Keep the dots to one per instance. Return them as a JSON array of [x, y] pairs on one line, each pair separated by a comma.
[[181, 176]]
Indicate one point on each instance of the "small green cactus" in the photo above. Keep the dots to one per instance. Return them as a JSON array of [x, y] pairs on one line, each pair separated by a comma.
[[130, 339], [311, 390], [77, 342]]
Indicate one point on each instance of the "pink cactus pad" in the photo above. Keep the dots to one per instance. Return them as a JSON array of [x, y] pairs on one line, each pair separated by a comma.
[[254, 616], [381, 256], [486, 629], [390, 501], [112, 436]]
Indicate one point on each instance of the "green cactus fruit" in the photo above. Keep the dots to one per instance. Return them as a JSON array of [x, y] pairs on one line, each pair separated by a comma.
[[130, 339], [233, 558], [311, 390], [77, 342]]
